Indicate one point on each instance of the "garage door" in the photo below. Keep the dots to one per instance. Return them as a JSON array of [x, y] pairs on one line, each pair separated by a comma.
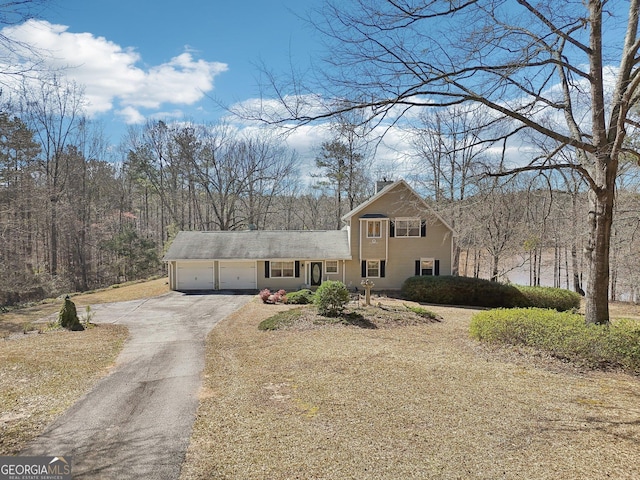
[[195, 276], [238, 276]]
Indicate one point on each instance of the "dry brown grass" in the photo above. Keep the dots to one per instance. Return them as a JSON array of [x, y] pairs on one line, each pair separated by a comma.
[[16, 320], [42, 374], [421, 401]]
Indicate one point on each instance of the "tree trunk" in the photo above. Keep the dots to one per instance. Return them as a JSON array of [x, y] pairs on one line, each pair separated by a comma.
[[597, 252]]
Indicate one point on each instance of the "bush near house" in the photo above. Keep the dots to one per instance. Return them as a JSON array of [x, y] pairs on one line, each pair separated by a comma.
[[331, 298], [301, 297], [564, 335], [449, 290], [276, 297]]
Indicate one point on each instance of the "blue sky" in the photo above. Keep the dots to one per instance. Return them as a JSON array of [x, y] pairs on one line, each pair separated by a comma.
[[142, 59], [159, 59]]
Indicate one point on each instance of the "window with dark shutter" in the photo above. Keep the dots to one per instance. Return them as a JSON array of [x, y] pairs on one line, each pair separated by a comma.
[[297, 269], [266, 269], [436, 269], [363, 269], [383, 264]]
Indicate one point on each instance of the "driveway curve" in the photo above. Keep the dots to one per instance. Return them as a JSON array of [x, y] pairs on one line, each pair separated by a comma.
[[137, 421]]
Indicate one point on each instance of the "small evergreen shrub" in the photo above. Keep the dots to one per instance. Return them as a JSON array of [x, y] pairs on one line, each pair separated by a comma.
[[331, 298], [68, 316], [301, 297], [478, 292], [564, 335]]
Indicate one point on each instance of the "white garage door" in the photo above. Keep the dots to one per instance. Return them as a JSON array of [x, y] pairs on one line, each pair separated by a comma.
[[238, 276], [195, 276]]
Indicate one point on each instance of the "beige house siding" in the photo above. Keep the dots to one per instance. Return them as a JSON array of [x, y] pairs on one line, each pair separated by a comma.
[[398, 209], [295, 283], [374, 247], [399, 253]]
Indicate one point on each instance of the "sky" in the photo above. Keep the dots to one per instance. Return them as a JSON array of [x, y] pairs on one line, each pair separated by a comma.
[[141, 59]]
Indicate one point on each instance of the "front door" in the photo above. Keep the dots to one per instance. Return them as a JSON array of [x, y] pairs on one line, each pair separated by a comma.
[[316, 274]]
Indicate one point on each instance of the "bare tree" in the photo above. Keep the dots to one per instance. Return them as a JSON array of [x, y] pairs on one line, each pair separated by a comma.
[[18, 59], [54, 110], [449, 154], [560, 69]]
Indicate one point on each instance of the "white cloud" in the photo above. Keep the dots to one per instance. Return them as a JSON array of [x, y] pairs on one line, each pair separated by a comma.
[[111, 74], [131, 116]]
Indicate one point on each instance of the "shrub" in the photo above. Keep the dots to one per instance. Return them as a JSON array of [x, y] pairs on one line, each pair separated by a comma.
[[301, 297], [68, 316], [450, 290], [264, 295], [280, 320], [548, 297], [331, 298], [276, 297], [563, 335]]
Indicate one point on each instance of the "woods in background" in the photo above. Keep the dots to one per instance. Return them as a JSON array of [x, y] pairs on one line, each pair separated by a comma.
[[76, 213]]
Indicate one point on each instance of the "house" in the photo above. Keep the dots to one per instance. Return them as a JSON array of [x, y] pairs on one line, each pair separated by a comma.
[[390, 237]]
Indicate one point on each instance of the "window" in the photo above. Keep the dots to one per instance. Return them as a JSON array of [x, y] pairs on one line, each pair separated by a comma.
[[373, 268], [282, 269], [331, 266], [426, 266], [374, 227], [408, 227]]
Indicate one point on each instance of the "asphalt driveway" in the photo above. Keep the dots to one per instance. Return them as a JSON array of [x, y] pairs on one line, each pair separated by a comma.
[[137, 421]]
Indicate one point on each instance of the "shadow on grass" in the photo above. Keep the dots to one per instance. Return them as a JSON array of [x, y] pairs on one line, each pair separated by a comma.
[[357, 320]]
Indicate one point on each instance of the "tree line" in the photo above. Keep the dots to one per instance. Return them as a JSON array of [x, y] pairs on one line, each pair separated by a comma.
[[77, 213]]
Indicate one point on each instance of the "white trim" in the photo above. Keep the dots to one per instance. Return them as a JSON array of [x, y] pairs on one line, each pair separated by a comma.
[[293, 268], [433, 266], [408, 219], [379, 222], [327, 272], [379, 267]]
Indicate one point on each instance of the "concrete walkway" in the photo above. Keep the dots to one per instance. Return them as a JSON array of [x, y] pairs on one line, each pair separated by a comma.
[[137, 421]]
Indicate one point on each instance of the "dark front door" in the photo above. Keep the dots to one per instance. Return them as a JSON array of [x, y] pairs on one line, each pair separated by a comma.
[[316, 273]]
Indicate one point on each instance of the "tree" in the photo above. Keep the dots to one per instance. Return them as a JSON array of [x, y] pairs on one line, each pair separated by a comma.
[[448, 159], [558, 69], [16, 57], [332, 162], [53, 109]]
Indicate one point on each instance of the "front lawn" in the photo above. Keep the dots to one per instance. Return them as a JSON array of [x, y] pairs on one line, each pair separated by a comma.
[[334, 400]]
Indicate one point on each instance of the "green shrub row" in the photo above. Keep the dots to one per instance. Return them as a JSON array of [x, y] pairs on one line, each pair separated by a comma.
[[449, 290], [563, 335]]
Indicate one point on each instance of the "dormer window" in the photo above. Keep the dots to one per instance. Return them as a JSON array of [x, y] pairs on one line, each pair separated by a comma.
[[407, 227], [374, 228]]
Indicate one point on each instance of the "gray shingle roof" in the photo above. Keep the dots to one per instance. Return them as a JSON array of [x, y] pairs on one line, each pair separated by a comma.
[[261, 245]]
